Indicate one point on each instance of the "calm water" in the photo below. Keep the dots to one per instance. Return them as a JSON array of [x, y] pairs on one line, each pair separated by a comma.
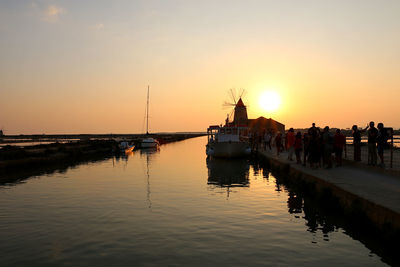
[[171, 207]]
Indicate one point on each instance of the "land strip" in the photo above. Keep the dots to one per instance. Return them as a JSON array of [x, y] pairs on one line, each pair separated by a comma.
[[20, 160]]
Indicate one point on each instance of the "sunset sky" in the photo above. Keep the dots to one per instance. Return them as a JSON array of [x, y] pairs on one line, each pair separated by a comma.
[[84, 66]]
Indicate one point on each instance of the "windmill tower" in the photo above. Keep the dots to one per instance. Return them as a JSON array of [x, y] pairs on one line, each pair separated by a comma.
[[239, 111], [240, 116]]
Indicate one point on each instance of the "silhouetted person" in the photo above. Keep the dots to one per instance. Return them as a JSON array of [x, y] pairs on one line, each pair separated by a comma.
[[357, 142], [339, 143], [306, 142], [278, 143], [290, 139], [327, 144], [312, 128], [267, 140], [381, 140], [298, 146], [372, 135], [314, 147]]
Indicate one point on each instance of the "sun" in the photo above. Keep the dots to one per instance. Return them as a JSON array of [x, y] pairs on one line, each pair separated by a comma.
[[270, 101]]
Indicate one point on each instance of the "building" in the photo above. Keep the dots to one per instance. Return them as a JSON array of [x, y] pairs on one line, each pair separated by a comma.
[[262, 124], [259, 125]]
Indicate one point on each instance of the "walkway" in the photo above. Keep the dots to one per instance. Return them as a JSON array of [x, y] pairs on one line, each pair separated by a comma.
[[378, 188]]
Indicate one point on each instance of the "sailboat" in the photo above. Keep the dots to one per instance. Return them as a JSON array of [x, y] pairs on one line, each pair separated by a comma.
[[148, 142]]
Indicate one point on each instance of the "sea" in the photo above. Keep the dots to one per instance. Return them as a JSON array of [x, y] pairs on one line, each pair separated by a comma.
[[174, 207]]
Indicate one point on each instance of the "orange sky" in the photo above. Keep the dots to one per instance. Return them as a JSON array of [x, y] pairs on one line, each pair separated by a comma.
[[84, 68]]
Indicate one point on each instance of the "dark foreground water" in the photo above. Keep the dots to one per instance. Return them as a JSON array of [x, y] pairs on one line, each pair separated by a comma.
[[171, 207]]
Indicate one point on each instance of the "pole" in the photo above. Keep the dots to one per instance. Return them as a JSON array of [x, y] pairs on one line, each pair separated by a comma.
[[147, 111], [391, 149]]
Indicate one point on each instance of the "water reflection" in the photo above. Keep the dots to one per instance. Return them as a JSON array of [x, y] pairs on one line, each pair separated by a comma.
[[228, 173], [153, 205], [149, 154], [20, 176], [323, 214]]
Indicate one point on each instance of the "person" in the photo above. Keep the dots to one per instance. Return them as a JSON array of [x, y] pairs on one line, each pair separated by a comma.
[[313, 147], [306, 142], [327, 147], [278, 143], [290, 138], [312, 128], [372, 134], [357, 142], [268, 137], [298, 146], [381, 140], [339, 143]]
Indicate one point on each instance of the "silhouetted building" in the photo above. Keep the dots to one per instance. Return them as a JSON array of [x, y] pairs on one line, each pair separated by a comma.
[[260, 124], [240, 115]]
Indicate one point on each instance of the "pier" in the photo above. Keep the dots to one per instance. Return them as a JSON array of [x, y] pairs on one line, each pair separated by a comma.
[[360, 190]]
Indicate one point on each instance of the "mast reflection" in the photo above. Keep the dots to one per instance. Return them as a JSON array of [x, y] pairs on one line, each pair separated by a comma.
[[149, 154]]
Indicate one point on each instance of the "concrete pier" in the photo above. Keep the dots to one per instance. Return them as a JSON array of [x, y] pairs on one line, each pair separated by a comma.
[[374, 193]]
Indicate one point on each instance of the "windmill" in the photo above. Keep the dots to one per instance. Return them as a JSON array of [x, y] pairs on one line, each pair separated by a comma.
[[238, 114]]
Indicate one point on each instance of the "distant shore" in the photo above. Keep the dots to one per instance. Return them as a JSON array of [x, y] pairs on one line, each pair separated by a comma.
[[65, 150], [20, 138]]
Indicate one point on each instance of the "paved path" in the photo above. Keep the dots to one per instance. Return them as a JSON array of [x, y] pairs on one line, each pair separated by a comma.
[[379, 188]]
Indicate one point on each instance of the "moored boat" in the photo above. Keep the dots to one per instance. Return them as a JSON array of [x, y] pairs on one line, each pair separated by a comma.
[[230, 140], [227, 142], [124, 146], [148, 142]]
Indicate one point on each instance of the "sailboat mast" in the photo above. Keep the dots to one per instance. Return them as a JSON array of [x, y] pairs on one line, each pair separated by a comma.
[[147, 111]]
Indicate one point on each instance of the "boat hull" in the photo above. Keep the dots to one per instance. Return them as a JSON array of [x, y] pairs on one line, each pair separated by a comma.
[[149, 145], [228, 149]]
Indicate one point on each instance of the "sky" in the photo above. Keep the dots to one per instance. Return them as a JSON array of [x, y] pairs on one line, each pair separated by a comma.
[[84, 66]]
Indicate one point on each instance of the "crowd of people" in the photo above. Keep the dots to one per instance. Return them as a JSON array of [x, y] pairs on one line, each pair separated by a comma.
[[321, 148]]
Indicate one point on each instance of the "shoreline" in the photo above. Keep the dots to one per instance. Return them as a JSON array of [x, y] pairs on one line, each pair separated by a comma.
[[16, 160]]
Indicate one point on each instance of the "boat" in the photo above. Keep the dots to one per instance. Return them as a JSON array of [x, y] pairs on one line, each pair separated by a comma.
[[124, 146], [230, 140], [227, 142], [148, 142]]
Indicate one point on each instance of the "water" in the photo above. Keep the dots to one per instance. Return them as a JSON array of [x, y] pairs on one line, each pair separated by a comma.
[[171, 207]]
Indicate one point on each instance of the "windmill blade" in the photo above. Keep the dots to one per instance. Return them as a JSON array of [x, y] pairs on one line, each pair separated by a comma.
[[231, 115], [242, 93], [227, 104], [233, 95]]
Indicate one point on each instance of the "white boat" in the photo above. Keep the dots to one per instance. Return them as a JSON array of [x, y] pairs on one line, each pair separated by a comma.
[[148, 142], [227, 141], [231, 140]]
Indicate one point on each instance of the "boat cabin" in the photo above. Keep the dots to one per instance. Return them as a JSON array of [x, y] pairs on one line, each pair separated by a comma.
[[217, 133]]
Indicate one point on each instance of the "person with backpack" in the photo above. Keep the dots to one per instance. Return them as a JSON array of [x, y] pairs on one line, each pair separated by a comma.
[[339, 143], [381, 141]]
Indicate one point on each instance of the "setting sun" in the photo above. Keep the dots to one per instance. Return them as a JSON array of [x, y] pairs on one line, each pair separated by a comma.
[[270, 101]]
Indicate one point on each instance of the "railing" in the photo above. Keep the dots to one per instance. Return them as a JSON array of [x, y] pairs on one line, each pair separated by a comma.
[[391, 154]]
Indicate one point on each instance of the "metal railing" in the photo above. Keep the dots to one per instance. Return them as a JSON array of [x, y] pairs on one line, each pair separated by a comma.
[[391, 154]]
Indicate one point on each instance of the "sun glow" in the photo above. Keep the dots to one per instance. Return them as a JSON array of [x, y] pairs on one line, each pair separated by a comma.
[[270, 101]]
